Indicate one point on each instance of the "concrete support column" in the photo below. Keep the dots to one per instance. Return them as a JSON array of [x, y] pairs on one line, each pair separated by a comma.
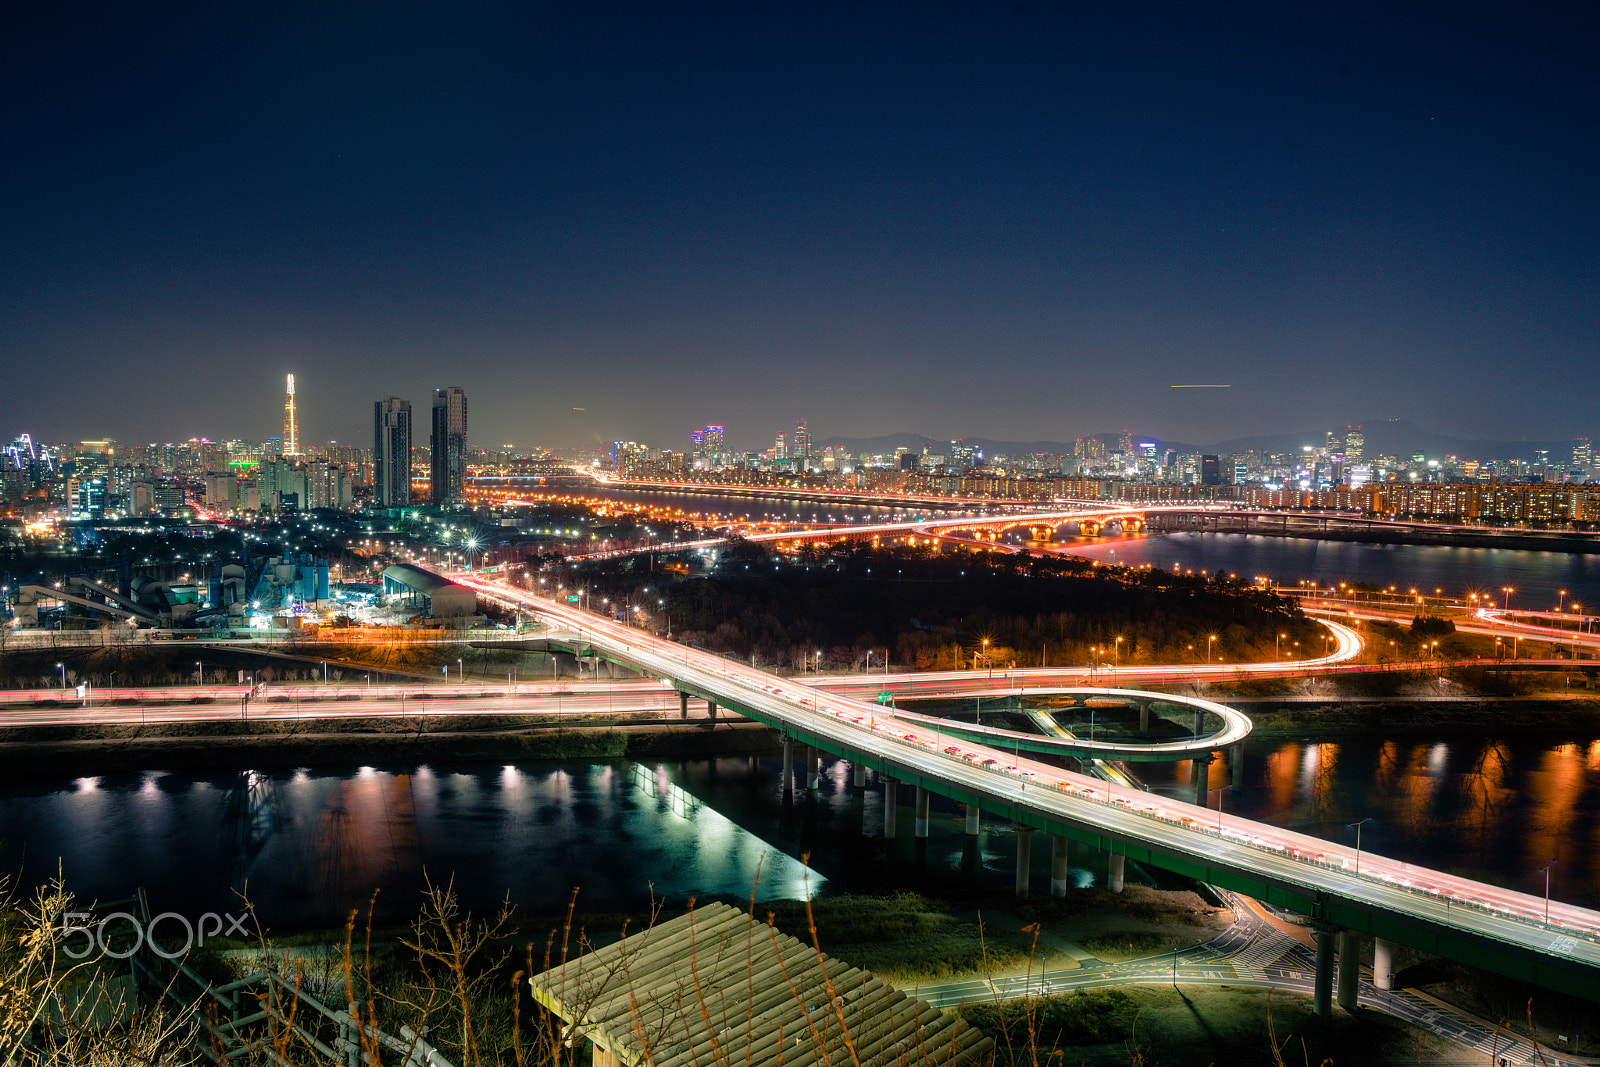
[[922, 812], [891, 798], [711, 710], [1199, 722], [1322, 987], [859, 775], [788, 762], [1236, 764], [1058, 865], [1382, 963], [1115, 865], [1024, 858], [1144, 718], [808, 783], [1202, 772], [683, 705], [972, 820], [1349, 968]]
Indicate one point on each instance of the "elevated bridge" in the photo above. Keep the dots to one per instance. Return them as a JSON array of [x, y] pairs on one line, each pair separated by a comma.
[[1347, 893]]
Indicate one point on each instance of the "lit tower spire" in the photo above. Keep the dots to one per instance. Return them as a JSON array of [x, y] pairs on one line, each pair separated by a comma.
[[291, 429]]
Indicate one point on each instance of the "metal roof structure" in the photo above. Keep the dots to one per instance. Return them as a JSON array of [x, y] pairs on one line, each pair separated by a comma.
[[714, 986], [445, 598]]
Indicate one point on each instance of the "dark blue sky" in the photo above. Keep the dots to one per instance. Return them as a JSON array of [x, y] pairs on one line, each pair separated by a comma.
[[1024, 221]]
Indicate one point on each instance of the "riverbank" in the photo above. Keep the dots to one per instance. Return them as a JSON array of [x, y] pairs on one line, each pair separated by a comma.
[[1556, 718], [100, 748], [81, 748]]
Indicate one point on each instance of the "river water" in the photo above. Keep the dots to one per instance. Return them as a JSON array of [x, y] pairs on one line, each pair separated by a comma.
[[313, 843]]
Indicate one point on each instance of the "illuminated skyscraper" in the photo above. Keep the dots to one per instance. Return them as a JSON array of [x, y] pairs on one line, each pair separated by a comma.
[[1354, 443], [449, 444], [1582, 454], [91, 479], [802, 441], [291, 425], [391, 452]]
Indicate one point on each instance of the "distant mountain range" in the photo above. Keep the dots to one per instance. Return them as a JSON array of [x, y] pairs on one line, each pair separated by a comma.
[[1384, 437]]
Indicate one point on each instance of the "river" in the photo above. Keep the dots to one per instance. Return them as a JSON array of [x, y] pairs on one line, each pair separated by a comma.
[[312, 844]]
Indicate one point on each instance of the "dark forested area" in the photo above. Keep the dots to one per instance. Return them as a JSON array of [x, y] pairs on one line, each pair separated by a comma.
[[947, 610]]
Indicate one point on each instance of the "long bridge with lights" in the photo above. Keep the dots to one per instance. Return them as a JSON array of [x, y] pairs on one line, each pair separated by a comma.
[[1348, 894]]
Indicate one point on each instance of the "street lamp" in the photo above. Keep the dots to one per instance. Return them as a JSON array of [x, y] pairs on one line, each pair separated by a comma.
[[1358, 826], [1209, 642], [199, 673], [869, 661], [63, 675], [461, 673], [1507, 590], [1117, 652], [1546, 870]]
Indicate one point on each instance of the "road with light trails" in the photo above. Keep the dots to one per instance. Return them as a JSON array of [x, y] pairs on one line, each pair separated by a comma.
[[1550, 943]]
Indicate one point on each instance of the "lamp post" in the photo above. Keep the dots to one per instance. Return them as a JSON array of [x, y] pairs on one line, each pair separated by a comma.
[[63, 671], [1117, 654], [461, 673], [869, 661], [199, 673], [1358, 826], [1211, 640], [1507, 590], [1546, 870], [987, 662]]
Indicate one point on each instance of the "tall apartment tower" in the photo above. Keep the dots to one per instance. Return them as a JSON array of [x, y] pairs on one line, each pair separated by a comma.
[[391, 452], [449, 444], [291, 425], [802, 441]]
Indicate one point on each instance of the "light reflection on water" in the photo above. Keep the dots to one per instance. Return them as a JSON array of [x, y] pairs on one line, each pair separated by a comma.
[[313, 844], [1497, 810]]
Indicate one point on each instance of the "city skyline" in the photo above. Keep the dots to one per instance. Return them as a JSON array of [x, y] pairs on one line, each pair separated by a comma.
[[1028, 223]]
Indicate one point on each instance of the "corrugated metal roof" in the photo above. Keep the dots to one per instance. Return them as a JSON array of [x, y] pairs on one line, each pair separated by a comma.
[[716, 987], [416, 578]]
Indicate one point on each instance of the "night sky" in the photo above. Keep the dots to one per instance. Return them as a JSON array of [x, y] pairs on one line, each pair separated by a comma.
[[1024, 222]]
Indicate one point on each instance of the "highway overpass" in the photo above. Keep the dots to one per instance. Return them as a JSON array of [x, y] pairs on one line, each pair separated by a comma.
[[1346, 892]]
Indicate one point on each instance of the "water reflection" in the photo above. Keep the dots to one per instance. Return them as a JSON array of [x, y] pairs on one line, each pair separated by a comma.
[[314, 844], [310, 846], [1496, 810]]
